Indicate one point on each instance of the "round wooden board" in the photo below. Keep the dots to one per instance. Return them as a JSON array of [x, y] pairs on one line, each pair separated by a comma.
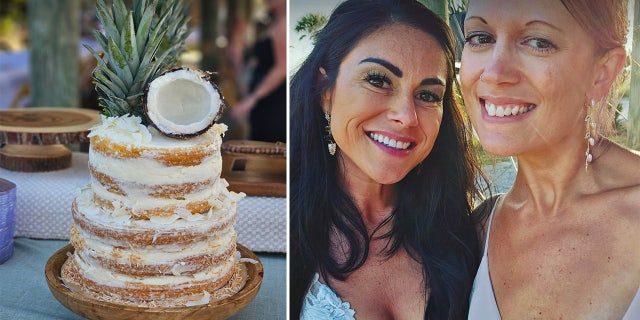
[[94, 309], [46, 125], [31, 158]]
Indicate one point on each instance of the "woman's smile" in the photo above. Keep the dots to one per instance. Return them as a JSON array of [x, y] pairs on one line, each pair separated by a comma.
[[399, 143], [386, 106]]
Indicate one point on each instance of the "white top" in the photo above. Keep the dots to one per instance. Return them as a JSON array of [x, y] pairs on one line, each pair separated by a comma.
[[321, 302], [483, 300]]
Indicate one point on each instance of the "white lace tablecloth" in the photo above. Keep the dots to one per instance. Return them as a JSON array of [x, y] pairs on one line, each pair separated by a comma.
[[43, 208]]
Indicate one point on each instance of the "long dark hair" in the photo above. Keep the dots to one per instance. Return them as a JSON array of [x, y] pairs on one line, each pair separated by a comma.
[[431, 216]]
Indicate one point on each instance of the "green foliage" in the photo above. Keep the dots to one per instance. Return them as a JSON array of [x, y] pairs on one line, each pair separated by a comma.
[[138, 45], [457, 6], [310, 24]]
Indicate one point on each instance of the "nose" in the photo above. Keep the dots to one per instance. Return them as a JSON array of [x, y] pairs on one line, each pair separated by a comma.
[[403, 111], [501, 66]]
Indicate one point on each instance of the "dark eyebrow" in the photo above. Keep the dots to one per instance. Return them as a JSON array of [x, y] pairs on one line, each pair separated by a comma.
[[432, 81], [475, 17], [395, 70]]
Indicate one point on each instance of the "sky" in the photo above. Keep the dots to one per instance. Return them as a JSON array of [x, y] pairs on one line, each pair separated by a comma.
[[299, 49]]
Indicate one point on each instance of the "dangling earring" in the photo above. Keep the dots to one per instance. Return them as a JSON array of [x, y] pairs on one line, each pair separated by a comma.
[[331, 145], [590, 134]]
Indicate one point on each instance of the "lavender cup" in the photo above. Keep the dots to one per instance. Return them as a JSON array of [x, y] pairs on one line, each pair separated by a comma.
[[7, 218]]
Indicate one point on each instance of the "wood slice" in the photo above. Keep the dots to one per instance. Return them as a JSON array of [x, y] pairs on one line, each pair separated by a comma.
[[255, 147], [30, 158], [254, 167], [46, 125]]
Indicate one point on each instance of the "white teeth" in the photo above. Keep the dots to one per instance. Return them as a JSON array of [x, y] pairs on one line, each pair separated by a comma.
[[491, 109], [389, 142], [506, 110]]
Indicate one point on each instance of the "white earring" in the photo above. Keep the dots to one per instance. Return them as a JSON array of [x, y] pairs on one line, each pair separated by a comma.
[[590, 133], [331, 145]]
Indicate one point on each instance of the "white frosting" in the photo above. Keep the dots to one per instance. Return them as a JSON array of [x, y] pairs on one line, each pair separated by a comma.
[[126, 129], [154, 255], [120, 220], [129, 130], [108, 277], [154, 172], [139, 200]]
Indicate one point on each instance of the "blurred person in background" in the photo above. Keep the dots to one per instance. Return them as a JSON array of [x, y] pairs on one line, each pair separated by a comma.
[[264, 106]]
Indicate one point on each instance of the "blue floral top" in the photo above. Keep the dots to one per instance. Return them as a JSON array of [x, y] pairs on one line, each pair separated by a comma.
[[322, 303]]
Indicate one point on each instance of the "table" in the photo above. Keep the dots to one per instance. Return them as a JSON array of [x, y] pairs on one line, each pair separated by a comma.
[[24, 294], [43, 208], [43, 211]]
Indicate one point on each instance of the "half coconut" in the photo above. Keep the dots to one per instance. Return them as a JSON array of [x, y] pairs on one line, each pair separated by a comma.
[[183, 102]]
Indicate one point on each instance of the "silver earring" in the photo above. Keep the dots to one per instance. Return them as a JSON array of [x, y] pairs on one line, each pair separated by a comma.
[[331, 145], [482, 77], [590, 133]]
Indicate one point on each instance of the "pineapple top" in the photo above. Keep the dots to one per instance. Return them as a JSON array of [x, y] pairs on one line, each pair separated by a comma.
[[138, 45]]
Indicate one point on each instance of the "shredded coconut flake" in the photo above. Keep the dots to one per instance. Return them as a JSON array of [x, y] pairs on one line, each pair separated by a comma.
[[249, 260], [128, 128]]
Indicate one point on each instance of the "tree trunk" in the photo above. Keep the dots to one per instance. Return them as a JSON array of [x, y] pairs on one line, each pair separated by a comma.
[[54, 32], [439, 7], [633, 129], [210, 52]]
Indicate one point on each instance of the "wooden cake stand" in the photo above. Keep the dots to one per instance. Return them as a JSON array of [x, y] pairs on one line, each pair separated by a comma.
[[94, 309], [254, 167], [33, 139]]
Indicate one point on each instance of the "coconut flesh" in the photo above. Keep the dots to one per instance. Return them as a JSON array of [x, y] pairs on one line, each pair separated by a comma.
[[183, 102]]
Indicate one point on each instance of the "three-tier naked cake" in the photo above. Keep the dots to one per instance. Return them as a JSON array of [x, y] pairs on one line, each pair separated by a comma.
[[155, 226]]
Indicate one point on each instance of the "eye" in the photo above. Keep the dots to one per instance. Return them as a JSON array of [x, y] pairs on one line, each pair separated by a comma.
[[377, 79], [539, 44], [428, 96], [477, 39]]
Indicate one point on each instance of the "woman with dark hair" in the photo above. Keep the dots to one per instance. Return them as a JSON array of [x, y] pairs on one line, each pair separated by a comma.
[[382, 171]]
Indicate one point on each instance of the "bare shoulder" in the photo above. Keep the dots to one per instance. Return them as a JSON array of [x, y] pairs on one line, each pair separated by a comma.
[[629, 165], [622, 166], [622, 175]]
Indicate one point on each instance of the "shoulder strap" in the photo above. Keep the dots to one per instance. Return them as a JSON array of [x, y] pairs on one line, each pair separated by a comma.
[[485, 212]]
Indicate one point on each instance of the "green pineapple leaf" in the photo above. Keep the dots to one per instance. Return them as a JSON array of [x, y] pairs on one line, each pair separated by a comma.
[[138, 45], [120, 62], [143, 28], [128, 42]]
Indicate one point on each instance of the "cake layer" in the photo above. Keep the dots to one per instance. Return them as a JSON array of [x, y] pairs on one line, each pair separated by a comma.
[[119, 228], [213, 284], [127, 138], [146, 206], [155, 260], [148, 177]]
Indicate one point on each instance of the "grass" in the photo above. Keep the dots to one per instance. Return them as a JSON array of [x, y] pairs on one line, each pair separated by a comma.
[[485, 157]]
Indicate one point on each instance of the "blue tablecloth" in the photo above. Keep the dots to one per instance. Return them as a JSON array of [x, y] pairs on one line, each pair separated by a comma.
[[24, 294]]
